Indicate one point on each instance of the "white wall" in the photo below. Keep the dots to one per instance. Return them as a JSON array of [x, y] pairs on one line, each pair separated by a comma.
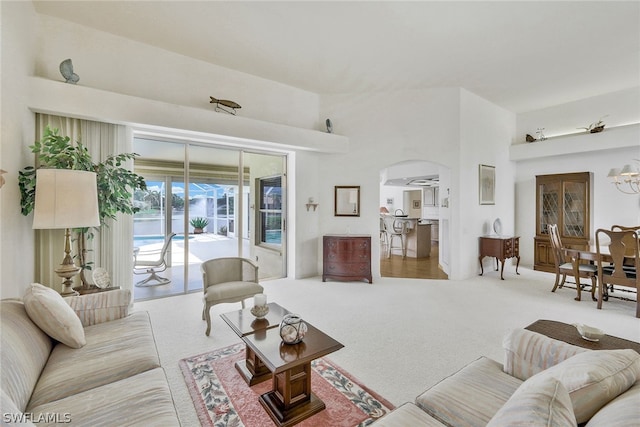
[[486, 132], [137, 85], [17, 131], [115, 64], [620, 109]]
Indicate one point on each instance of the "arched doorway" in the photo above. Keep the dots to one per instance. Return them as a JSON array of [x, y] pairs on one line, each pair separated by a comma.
[[414, 217]]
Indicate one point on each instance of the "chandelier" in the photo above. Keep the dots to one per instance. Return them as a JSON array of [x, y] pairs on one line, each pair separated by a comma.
[[627, 175]]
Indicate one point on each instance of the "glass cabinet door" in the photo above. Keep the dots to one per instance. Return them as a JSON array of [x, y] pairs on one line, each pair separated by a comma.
[[549, 205], [573, 209]]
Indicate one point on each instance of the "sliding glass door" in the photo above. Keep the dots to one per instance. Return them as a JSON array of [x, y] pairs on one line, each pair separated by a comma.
[[206, 196]]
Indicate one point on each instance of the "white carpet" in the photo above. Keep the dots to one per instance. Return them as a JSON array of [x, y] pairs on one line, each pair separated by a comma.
[[400, 335]]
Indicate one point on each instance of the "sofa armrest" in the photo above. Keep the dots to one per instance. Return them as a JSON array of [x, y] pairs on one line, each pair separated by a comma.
[[101, 307], [527, 353]]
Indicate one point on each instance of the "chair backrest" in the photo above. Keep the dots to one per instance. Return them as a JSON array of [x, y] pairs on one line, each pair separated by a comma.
[[620, 244], [556, 244], [628, 237], [158, 262], [229, 269]]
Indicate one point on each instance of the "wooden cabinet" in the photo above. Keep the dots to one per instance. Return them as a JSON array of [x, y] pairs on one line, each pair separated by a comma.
[[500, 248], [562, 199], [346, 257]]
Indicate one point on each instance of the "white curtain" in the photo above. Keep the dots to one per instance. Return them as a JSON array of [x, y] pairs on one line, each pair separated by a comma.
[[112, 246]]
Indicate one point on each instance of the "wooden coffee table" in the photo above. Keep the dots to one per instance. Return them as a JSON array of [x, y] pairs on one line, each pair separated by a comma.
[[244, 323], [290, 400]]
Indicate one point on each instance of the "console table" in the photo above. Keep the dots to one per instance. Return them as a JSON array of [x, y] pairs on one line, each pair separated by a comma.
[[346, 257], [569, 334], [500, 248]]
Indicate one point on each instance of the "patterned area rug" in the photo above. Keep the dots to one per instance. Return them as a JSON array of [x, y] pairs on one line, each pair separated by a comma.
[[222, 398]]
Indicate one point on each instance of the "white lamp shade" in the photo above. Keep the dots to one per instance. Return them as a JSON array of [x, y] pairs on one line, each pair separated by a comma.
[[65, 199], [613, 173], [627, 170]]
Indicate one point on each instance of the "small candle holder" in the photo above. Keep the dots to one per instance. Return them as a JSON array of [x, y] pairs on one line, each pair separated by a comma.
[[260, 311]]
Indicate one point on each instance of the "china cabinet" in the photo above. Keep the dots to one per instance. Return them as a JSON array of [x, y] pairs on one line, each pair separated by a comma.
[[565, 200]]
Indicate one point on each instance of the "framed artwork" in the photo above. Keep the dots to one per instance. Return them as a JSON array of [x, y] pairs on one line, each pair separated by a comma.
[[416, 204], [487, 185], [347, 200]]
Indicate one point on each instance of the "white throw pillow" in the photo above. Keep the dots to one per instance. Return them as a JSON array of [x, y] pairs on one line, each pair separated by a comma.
[[47, 309], [594, 378], [537, 402]]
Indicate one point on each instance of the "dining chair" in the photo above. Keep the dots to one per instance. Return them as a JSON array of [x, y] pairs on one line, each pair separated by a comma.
[[152, 262], [564, 265], [230, 279], [627, 261], [621, 245]]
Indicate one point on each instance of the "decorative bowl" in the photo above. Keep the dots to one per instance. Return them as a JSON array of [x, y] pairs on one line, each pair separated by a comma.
[[292, 329], [589, 333], [260, 311]]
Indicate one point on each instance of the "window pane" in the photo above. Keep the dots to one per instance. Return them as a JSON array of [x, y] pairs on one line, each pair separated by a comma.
[[272, 227]]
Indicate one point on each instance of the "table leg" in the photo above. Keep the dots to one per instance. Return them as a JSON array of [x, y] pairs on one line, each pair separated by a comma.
[[252, 369], [291, 399], [517, 264], [501, 270], [480, 261]]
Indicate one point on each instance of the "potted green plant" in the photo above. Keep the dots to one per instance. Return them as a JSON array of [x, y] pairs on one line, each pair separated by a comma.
[[116, 184], [199, 224]]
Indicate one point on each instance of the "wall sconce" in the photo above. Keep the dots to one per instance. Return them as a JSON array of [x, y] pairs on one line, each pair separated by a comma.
[[66, 199], [628, 175], [311, 204]]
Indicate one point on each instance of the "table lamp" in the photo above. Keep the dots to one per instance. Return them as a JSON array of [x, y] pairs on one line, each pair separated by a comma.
[[66, 199]]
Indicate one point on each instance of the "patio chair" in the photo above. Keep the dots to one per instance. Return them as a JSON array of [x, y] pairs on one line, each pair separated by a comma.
[[151, 262], [231, 279]]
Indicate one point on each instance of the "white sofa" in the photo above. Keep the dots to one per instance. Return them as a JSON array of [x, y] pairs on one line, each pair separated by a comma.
[[106, 373], [543, 382]]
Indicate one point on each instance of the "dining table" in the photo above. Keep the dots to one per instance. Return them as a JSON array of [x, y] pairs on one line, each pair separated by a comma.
[[591, 255]]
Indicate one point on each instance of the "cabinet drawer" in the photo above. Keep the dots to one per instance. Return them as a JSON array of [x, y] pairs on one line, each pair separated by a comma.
[[346, 269]]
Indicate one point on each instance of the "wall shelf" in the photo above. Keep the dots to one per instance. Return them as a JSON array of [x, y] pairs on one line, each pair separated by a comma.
[[610, 138]]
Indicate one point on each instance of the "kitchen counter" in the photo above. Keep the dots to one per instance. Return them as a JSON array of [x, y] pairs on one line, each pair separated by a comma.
[[418, 239]]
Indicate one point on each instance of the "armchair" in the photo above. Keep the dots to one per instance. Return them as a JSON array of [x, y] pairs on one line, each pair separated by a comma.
[[225, 280]]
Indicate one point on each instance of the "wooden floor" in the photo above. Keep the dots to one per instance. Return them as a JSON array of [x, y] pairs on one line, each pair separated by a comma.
[[414, 268]]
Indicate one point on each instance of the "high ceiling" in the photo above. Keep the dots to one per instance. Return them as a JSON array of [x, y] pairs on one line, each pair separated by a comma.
[[522, 56]]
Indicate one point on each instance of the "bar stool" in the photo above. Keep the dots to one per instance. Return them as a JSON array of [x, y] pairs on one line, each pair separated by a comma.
[[398, 228]]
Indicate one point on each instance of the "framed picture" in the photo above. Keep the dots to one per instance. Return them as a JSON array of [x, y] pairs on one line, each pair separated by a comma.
[[347, 200], [487, 185], [416, 204]]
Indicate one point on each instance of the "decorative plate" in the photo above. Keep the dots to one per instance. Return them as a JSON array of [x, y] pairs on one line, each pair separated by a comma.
[[497, 226], [101, 278]]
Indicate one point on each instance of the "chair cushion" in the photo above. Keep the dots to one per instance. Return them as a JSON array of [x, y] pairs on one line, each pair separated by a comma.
[[408, 414], [471, 396], [583, 268], [52, 314], [231, 291], [623, 411], [115, 350], [594, 378], [537, 402]]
